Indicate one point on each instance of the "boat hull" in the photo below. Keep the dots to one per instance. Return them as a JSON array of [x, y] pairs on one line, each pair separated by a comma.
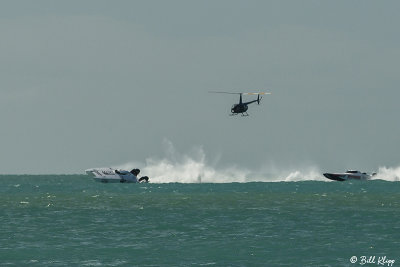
[[334, 177], [108, 175], [346, 176]]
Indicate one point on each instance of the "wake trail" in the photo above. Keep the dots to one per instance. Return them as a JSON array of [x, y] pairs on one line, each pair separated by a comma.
[[193, 167], [388, 174]]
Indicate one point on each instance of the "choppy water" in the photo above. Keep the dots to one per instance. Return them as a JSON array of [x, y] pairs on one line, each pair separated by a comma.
[[73, 221]]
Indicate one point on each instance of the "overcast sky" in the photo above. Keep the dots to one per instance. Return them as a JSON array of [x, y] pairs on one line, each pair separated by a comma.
[[100, 83]]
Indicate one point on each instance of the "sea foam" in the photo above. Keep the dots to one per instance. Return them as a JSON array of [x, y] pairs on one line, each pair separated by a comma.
[[194, 167]]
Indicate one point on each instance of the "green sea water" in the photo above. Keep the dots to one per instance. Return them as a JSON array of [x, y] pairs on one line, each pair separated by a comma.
[[70, 220]]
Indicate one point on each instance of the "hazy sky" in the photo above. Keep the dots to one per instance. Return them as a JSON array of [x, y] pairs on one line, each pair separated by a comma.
[[100, 83]]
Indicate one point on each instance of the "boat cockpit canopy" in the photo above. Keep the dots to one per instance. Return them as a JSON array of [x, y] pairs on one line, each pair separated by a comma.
[[352, 171]]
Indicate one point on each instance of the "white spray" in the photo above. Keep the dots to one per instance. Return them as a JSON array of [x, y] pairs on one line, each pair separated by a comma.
[[194, 168], [388, 174]]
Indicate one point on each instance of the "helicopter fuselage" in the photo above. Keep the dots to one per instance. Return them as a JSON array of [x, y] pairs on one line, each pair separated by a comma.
[[242, 107], [239, 108]]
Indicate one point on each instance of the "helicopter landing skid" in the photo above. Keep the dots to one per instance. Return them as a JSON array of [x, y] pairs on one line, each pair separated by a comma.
[[244, 114]]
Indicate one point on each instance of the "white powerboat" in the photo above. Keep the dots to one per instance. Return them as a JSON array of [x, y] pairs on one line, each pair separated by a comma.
[[349, 175], [110, 175]]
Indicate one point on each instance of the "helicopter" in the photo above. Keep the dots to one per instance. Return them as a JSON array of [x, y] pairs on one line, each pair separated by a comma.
[[242, 107]]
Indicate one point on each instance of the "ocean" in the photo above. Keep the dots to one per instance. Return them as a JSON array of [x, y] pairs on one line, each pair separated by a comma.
[[70, 220]]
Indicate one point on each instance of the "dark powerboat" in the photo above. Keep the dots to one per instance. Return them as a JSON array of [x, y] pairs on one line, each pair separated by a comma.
[[349, 175]]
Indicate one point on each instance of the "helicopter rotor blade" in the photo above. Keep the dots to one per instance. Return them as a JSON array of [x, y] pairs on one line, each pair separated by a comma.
[[217, 92], [260, 93], [235, 93]]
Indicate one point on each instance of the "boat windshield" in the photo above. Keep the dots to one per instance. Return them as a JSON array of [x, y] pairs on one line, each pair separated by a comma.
[[352, 171]]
